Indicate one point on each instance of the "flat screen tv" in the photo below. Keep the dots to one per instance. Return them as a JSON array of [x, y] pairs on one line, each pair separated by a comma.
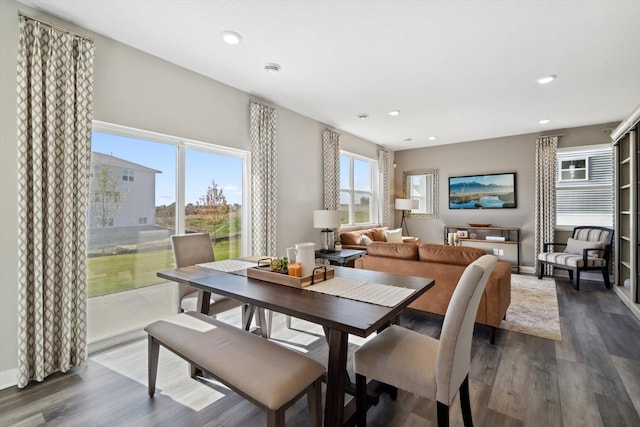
[[490, 191]]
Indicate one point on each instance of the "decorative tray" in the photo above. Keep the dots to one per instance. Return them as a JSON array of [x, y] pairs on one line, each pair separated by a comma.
[[479, 225], [319, 274]]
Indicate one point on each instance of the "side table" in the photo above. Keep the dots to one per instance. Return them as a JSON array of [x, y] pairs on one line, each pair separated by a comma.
[[341, 257]]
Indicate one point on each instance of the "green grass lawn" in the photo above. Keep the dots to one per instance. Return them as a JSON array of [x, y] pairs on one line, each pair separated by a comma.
[[117, 273]]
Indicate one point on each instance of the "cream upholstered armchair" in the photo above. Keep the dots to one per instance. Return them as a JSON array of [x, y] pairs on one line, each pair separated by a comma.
[[589, 248], [434, 369]]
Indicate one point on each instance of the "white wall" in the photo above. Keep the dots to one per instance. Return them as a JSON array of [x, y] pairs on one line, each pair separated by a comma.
[[508, 154], [141, 91]]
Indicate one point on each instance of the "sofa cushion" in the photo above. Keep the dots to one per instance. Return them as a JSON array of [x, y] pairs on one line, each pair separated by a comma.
[[393, 250], [378, 234], [455, 255], [350, 238]]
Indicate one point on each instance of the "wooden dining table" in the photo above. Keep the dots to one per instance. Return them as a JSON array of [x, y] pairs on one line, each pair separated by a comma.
[[338, 316]]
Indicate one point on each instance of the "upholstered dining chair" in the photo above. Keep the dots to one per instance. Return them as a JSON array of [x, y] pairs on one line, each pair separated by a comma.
[[195, 248], [192, 249], [588, 248], [431, 368]]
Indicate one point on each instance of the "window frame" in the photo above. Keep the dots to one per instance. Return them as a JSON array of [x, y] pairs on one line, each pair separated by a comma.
[[585, 169], [181, 145], [373, 193]]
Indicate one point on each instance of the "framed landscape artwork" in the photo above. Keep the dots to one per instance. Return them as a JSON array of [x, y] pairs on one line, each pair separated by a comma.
[[490, 191]]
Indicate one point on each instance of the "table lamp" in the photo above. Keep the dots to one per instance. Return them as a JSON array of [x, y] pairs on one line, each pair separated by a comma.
[[327, 221], [406, 205]]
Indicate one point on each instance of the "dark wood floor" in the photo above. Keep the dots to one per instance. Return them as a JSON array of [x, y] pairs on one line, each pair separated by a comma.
[[591, 378]]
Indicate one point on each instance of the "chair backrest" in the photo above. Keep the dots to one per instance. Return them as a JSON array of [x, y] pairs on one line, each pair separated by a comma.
[[595, 234], [454, 354], [190, 249]]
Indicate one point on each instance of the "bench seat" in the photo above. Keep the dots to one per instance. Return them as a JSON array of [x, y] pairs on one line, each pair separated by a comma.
[[269, 375]]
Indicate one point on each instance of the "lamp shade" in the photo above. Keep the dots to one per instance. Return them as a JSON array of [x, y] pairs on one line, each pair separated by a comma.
[[326, 219], [406, 204]]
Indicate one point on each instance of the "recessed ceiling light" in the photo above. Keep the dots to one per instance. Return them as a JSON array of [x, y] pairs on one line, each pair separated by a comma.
[[231, 37], [394, 113], [363, 116], [546, 79], [544, 121], [271, 68], [408, 139], [432, 138]]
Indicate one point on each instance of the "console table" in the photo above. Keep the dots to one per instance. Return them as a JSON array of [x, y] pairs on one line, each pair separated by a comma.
[[506, 245]]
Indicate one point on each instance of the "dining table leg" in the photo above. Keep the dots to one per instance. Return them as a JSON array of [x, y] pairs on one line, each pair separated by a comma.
[[336, 377]]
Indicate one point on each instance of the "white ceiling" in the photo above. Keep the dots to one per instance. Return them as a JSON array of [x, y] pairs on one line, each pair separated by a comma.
[[459, 70]]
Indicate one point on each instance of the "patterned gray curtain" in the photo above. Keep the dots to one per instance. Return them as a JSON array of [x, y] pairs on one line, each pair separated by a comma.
[[545, 190], [384, 186], [331, 169], [55, 108], [264, 179]]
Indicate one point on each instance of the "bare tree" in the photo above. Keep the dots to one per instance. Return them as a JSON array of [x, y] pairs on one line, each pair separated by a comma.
[[213, 208]]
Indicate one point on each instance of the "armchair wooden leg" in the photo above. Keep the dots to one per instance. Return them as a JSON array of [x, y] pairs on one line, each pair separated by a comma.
[[465, 403], [576, 279], [443, 414], [605, 276], [492, 335], [540, 269]]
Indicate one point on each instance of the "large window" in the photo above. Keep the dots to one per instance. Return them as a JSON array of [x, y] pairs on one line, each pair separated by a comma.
[[358, 189], [145, 187], [584, 186]]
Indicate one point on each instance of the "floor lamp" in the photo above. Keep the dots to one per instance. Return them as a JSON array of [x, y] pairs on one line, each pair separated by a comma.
[[405, 205]]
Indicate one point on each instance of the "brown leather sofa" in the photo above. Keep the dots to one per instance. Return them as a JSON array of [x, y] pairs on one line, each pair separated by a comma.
[[351, 237], [445, 264]]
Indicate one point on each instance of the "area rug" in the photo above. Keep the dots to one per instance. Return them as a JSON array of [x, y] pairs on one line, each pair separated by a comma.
[[534, 307]]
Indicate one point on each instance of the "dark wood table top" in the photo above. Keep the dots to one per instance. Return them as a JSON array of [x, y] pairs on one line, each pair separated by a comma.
[[350, 316]]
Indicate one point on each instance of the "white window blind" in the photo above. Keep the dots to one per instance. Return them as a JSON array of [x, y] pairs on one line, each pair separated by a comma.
[[585, 201]]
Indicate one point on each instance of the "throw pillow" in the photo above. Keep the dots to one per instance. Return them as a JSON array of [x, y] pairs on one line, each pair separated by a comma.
[[350, 238], [393, 236], [577, 246], [365, 241], [377, 234]]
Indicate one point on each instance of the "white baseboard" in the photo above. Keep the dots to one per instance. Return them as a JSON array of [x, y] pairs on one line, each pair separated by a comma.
[[8, 378], [635, 308], [109, 342], [528, 270]]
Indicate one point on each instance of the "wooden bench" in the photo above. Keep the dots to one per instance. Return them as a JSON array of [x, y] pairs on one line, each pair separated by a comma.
[[267, 374]]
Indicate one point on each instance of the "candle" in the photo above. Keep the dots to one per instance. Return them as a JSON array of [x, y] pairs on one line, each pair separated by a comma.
[[295, 269]]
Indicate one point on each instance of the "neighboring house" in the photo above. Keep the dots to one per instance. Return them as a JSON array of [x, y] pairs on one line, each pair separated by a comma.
[[133, 201]]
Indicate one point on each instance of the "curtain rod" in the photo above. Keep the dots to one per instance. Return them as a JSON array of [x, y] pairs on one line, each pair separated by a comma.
[[547, 136], [55, 27]]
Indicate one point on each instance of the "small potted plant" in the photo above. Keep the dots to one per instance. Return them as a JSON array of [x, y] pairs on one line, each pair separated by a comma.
[[338, 245]]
